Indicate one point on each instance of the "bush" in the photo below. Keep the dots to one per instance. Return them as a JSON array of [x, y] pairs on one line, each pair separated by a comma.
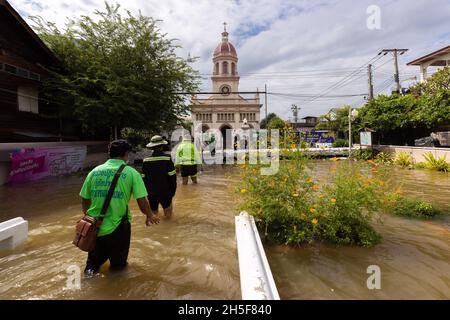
[[420, 165], [363, 154], [439, 164], [384, 158], [294, 209], [405, 207], [403, 159], [137, 138], [340, 143]]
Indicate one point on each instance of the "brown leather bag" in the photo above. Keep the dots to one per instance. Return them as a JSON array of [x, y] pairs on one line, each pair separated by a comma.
[[87, 228]]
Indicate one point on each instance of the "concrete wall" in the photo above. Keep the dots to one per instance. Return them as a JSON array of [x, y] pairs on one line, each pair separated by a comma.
[[416, 152], [96, 153]]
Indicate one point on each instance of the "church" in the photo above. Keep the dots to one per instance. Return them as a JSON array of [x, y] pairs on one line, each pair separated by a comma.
[[226, 108]]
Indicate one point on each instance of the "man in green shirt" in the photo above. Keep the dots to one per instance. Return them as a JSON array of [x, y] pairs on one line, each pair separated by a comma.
[[113, 238]]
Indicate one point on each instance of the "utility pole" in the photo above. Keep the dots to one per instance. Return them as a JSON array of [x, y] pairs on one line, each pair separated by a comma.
[[369, 71], [295, 111], [265, 101], [396, 52], [349, 131]]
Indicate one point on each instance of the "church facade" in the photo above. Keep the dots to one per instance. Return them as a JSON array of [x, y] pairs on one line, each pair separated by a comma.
[[226, 108]]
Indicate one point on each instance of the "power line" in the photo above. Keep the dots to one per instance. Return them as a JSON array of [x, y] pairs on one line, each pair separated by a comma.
[[347, 79]]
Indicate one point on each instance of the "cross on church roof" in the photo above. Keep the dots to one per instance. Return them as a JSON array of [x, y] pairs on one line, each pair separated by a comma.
[[225, 27]]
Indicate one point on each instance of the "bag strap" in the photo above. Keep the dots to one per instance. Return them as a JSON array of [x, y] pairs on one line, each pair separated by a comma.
[[111, 192]]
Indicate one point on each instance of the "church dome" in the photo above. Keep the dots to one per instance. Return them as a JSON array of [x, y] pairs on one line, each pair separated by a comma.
[[225, 48]]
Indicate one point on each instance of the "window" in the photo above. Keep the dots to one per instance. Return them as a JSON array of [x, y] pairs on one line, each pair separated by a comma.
[[216, 69], [35, 76], [233, 68], [27, 98], [225, 67], [22, 73], [11, 69]]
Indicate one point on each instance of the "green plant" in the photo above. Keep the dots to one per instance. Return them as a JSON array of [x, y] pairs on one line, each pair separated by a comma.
[[420, 165], [384, 158], [363, 154], [402, 206], [116, 69], [293, 209], [439, 164], [403, 159], [137, 138], [340, 143]]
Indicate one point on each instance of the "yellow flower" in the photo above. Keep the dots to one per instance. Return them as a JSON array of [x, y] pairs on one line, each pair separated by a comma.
[[295, 194], [310, 180], [370, 161], [316, 187], [312, 210], [321, 196], [243, 190], [334, 159], [381, 183], [333, 200], [314, 221], [293, 146]]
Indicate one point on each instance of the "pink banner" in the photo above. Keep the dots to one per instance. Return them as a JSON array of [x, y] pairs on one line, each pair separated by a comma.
[[38, 163]]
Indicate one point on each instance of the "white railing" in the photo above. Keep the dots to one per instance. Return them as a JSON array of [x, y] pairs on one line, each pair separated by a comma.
[[13, 233], [257, 282]]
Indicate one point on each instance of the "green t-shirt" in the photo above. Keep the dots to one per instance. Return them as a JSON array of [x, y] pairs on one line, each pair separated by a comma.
[[96, 187]]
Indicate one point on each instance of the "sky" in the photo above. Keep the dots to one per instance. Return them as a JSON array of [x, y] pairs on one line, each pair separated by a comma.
[[312, 53]]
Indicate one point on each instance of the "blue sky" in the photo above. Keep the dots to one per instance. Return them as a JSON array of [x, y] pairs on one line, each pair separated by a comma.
[[297, 47]]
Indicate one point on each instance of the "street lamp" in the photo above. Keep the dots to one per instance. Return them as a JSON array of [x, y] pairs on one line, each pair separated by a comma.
[[352, 115]]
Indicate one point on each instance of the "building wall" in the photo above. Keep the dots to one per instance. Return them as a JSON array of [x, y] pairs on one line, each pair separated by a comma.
[[236, 110], [416, 152], [97, 153]]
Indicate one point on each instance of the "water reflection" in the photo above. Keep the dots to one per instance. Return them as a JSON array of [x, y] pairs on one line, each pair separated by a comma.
[[414, 256], [191, 256]]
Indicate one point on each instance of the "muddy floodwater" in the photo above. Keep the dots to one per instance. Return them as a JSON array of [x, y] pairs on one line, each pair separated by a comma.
[[413, 256], [193, 255]]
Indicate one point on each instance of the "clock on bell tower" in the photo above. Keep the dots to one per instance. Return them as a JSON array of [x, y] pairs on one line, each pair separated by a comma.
[[225, 76]]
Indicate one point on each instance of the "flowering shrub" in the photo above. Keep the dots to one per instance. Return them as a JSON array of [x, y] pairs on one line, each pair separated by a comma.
[[293, 208]]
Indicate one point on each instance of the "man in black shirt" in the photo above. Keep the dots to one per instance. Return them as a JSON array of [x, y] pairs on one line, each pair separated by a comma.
[[159, 177]]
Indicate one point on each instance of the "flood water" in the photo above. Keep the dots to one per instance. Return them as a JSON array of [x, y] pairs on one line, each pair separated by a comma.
[[413, 256], [193, 255]]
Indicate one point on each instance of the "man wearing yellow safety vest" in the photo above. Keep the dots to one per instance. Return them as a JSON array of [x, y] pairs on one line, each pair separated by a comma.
[[187, 159]]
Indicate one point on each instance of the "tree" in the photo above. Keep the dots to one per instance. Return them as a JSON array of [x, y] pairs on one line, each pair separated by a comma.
[[276, 123], [337, 122], [264, 121], [437, 82], [434, 110], [117, 71]]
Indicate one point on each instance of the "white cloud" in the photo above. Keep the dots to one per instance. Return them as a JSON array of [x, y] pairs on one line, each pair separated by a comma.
[[278, 36]]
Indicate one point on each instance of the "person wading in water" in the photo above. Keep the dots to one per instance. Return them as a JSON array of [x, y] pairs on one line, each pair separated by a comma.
[[113, 238], [159, 177], [187, 159]]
